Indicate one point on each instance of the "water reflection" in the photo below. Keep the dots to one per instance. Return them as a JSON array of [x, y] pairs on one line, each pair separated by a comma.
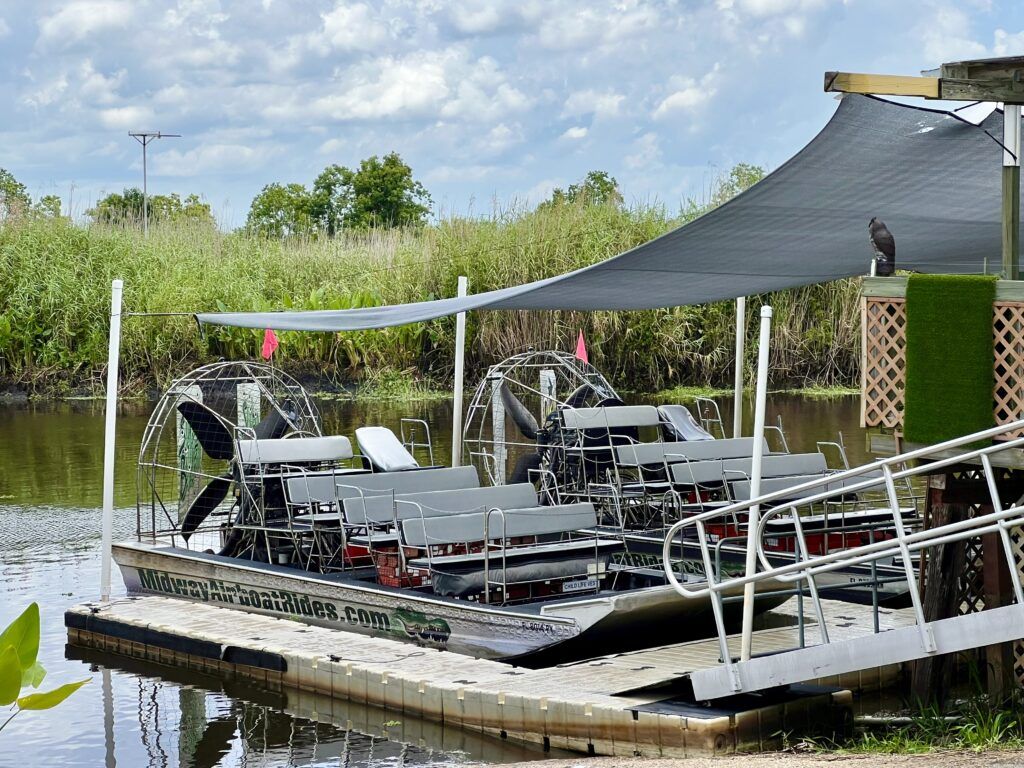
[[136, 714]]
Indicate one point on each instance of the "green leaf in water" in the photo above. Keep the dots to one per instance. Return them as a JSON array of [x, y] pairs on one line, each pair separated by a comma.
[[23, 635], [10, 676], [50, 699], [33, 675]]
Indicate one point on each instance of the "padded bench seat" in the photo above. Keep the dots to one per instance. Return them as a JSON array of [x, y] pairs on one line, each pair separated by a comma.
[[463, 575]]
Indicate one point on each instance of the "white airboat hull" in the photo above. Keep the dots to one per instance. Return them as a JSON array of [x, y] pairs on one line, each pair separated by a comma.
[[588, 626]]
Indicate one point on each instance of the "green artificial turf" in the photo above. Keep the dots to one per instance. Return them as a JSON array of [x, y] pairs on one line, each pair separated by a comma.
[[949, 357]]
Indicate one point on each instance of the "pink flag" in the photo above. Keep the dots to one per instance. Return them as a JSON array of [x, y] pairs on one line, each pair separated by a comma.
[[269, 344], [581, 349]]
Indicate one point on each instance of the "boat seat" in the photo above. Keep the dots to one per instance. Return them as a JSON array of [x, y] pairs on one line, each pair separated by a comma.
[[718, 471], [610, 417], [383, 509], [644, 454], [384, 450], [679, 424], [741, 488], [295, 450], [512, 523], [463, 574], [303, 488]]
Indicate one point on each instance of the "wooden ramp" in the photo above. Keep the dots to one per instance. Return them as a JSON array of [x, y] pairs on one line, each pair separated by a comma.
[[620, 704]]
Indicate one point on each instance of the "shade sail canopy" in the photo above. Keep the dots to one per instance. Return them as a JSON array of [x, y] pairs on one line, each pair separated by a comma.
[[932, 178]]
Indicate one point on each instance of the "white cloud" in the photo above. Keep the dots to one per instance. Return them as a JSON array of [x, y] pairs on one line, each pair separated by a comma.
[[646, 152], [568, 26], [444, 174], [98, 88], [688, 94], [350, 27], [945, 37], [442, 84], [5, 29], [762, 8], [210, 158], [575, 133], [133, 118], [591, 102], [81, 19], [47, 93], [1008, 44]]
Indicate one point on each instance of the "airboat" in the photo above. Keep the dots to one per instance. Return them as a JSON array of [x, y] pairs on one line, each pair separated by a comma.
[[545, 543], [243, 502]]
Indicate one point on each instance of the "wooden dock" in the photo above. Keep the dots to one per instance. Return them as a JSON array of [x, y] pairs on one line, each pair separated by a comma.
[[622, 704]]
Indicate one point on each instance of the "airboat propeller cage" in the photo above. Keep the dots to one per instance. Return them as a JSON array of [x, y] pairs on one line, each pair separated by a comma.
[[209, 419], [524, 391]]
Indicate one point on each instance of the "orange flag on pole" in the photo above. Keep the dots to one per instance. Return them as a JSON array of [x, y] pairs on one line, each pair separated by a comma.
[[269, 344], [581, 349]]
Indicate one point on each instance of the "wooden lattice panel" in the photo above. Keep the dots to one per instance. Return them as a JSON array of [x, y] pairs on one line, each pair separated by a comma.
[[1008, 339], [883, 361]]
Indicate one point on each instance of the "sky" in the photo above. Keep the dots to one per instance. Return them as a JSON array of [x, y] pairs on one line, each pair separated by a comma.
[[491, 102]]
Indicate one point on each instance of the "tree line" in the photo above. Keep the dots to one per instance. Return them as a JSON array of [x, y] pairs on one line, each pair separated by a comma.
[[380, 192]]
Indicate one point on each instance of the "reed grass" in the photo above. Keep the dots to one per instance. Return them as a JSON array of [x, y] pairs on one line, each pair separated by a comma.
[[55, 281]]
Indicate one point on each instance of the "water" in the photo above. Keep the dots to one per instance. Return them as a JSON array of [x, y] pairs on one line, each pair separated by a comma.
[[141, 714]]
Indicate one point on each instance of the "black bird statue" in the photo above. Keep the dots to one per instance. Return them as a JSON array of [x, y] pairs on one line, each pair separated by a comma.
[[884, 246]]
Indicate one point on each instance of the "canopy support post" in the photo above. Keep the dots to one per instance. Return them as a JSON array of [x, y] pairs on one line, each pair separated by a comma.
[[460, 362], [755, 479], [113, 358], [1011, 191], [737, 400]]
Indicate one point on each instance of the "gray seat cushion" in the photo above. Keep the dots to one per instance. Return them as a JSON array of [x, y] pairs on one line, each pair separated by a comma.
[[384, 450]]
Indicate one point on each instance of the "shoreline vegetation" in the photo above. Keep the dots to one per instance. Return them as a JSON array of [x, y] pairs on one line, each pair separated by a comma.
[[55, 280]]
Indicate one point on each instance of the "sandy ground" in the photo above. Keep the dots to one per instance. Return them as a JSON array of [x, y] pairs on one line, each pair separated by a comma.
[[785, 760]]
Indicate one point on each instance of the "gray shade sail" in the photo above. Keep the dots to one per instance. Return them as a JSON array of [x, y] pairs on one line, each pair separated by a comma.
[[934, 180]]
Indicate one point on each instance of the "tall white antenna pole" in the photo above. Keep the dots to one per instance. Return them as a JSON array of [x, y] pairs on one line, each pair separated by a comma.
[[113, 357], [460, 361]]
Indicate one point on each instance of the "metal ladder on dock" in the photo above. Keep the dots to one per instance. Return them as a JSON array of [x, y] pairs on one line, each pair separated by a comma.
[[834, 657]]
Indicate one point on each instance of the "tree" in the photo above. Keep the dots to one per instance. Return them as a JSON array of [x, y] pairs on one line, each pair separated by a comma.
[[739, 179], [49, 206], [596, 188], [14, 199], [381, 192], [126, 208], [278, 211]]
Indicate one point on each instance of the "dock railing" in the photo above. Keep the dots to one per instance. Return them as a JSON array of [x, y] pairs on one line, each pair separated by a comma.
[[901, 548]]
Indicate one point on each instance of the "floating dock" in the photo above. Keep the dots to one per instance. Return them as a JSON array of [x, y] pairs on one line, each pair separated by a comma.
[[622, 704]]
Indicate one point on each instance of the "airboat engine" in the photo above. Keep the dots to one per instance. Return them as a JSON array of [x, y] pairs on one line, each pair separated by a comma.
[[512, 431]]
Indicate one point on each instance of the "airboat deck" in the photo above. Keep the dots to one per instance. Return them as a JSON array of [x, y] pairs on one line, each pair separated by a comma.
[[622, 704]]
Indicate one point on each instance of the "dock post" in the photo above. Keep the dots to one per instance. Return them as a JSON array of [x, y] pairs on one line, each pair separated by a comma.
[[460, 362], [755, 478], [737, 400], [1011, 191], [113, 357]]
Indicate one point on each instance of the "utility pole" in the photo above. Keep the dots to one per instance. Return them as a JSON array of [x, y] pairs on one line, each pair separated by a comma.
[[990, 80], [144, 137]]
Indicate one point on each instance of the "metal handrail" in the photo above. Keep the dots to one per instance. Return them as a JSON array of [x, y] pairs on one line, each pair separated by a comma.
[[901, 545]]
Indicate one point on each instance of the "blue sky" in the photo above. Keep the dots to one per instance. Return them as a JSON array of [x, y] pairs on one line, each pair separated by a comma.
[[491, 102]]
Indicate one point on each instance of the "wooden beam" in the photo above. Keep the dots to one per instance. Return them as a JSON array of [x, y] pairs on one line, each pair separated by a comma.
[[890, 85]]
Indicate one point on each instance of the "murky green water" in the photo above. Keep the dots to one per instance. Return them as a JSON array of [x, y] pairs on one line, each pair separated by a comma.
[[134, 714]]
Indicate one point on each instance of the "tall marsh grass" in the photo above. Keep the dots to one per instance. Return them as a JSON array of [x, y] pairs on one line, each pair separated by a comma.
[[55, 280]]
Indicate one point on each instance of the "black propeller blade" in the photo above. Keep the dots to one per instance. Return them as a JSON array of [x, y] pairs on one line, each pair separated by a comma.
[[276, 423], [212, 435], [208, 500], [519, 413]]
